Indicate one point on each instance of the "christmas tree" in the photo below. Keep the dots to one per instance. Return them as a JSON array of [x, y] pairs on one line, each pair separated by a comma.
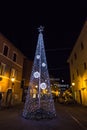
[[39, 103]]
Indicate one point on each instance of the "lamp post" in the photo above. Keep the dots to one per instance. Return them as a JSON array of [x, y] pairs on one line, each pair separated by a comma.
[[73, 90], [73, 84], [13, 80], [9, 93], [12, 94]]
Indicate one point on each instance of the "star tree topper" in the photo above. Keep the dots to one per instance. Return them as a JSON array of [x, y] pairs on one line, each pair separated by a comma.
[[40, 29]]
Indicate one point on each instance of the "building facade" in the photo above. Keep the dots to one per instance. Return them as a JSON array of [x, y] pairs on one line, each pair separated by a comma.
[[78, 67], [27, 67], [11, 67]]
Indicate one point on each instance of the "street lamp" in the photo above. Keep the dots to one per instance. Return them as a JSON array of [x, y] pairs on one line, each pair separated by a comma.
[[13, 80], [9, 94], [73, 84]]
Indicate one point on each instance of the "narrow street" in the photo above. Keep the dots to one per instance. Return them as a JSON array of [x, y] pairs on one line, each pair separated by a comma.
[[69, 117]]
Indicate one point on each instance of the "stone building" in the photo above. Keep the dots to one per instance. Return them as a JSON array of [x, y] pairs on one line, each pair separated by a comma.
[[27, 67], [78, 67], [11, 67]]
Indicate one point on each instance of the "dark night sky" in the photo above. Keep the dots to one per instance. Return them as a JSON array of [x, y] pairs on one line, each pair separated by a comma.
[[62, 19]]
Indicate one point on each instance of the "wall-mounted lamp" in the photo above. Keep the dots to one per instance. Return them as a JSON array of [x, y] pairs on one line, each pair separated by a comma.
[[73, 84], [13, 80]]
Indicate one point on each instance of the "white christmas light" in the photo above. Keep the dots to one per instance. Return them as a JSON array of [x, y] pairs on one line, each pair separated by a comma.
[[39, 91], [36, 74], [43, 85], [38, 56], [43, 64]]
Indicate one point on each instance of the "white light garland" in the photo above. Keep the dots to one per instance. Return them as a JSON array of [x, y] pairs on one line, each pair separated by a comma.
[[39, 92]]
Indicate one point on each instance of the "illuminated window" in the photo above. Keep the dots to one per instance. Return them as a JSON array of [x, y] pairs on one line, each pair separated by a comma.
[[82, 46], [2, 68], [5, 50], [13, 73], [14, 57]]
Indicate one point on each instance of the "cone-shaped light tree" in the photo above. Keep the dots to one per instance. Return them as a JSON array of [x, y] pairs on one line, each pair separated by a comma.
[[39, 103]]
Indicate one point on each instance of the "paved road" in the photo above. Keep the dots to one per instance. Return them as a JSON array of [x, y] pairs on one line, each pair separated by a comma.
[[70, 117]]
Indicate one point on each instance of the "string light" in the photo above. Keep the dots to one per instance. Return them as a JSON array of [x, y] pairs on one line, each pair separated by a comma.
[[39, 103]]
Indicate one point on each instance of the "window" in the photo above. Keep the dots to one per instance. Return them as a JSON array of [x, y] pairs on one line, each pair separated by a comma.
[[77, 72], [82, 46], [2, 68], [73, 77], [5, 51], [13, 73], [85, 67], [14, 57], [75, 56]]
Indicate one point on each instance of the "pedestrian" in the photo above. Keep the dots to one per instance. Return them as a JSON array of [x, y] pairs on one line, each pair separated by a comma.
[[0, 99]]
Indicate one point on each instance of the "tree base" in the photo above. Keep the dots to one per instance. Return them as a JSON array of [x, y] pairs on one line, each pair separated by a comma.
[[40, 114]]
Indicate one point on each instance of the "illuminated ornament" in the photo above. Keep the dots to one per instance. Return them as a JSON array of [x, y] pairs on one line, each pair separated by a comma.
[[43, 85], [38, 56], [43, 64], [36, 74]]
